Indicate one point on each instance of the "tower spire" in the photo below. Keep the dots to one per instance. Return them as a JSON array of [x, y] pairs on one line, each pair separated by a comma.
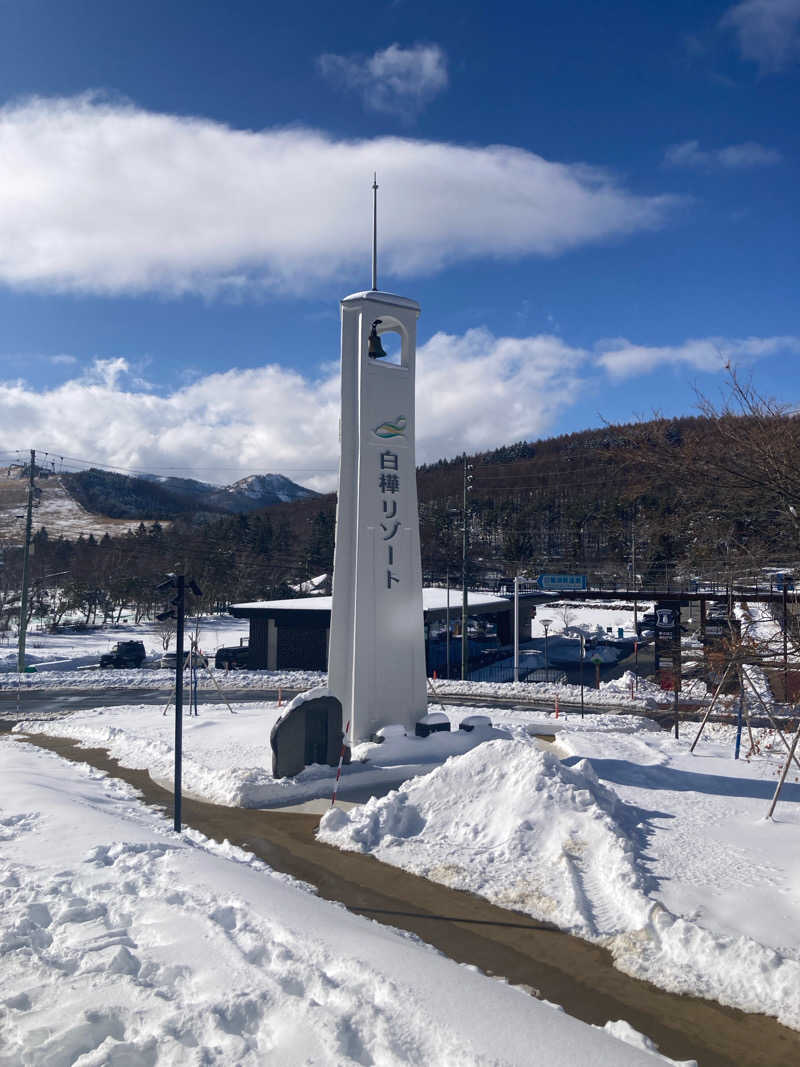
[[374, 232]]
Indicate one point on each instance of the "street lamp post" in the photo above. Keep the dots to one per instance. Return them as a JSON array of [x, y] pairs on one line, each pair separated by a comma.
[[464, 541], [546, 623], [516, 628]]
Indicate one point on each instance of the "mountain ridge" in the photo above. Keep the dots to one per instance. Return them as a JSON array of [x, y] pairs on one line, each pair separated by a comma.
[[158, 497]]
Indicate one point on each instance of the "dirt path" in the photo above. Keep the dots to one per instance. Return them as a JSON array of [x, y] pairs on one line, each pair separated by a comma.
[[560, 968]]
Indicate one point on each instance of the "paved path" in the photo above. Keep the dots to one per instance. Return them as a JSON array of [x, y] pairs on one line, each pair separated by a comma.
[[531, 954]]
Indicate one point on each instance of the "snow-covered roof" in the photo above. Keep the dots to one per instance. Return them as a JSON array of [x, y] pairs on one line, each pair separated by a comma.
[[433, 599]]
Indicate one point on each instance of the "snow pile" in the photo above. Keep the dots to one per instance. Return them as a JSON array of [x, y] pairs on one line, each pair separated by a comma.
[[145, 678], [692, 690], [512, 823], [529, 831], [613, 694], [125, 944]]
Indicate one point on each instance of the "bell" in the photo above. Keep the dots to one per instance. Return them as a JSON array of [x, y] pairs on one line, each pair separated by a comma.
[[375, 350]]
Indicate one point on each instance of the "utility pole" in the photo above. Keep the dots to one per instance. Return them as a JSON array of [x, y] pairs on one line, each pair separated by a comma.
[[23, 601], [633, 578], [447, 625], [464, 534]]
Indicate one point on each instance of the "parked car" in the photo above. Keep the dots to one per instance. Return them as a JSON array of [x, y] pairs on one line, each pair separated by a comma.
[[232, 658], [124, 654], [197, 659]]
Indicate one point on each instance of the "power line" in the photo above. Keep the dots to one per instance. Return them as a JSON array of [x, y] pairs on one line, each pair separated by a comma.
[[154, 469]]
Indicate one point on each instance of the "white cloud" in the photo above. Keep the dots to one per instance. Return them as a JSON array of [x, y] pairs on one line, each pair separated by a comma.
[[474, 391], [394, 80], [478, 391], [62, 359], [102, 197], [768, 31], [734, 157], [623, 359]]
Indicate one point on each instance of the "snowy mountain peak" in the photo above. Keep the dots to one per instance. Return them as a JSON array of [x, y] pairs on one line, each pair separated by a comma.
[[269, 486]]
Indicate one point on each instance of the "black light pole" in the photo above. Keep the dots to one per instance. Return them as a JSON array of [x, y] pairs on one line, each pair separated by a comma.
[[464, 598], [178, 583], [676, 669], [785, 643], [180, 604]]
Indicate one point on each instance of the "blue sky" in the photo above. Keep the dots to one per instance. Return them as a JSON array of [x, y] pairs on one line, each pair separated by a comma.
[[594, 204]]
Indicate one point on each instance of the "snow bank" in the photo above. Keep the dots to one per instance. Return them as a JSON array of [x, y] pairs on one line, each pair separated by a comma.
[[613, 694], [144, 678], [528, 832], [515, 825]]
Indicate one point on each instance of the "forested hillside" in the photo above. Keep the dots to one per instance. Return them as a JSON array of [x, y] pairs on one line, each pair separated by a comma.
[[715, 496]]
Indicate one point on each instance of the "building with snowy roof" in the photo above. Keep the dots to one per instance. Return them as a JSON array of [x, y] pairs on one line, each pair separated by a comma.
[[293, 634]]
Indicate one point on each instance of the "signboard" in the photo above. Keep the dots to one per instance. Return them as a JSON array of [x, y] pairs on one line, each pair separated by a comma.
[[667, 649], [562, 583]]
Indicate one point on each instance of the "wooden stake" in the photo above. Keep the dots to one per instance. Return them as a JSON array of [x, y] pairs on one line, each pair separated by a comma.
[[717, 691], [784, 772]]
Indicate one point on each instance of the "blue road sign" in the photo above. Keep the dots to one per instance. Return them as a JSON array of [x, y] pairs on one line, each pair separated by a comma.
[[562, 583]]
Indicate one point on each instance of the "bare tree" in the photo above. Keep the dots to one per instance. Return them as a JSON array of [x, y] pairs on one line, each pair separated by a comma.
[[759, 442], [167, 629]]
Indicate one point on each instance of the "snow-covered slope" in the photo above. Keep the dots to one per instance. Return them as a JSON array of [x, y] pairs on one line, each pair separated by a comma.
[[269, 489]]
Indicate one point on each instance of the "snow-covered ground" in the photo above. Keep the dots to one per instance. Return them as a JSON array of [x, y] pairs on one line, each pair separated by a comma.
[[628, 691], [70, 650], [227, 757], [761, 626], [126, 945], [597, 618], [627, 839], [663, 856], [163, 680]]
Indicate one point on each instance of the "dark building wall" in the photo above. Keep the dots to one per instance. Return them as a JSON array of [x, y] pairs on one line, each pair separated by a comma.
[[257, 648], [303, 647]]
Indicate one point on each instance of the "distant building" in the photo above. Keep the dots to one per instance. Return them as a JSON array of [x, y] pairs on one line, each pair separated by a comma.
[[293, 634]]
